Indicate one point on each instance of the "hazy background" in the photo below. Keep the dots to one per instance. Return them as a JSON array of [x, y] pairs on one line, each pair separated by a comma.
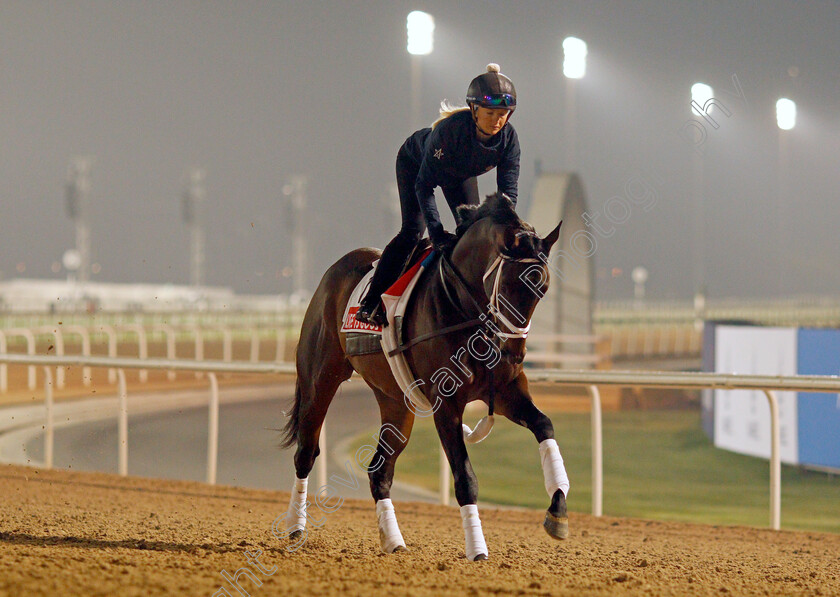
[[257, 91]]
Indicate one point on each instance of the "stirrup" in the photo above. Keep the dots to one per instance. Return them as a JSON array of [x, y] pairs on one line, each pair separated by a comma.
[[375, 316]]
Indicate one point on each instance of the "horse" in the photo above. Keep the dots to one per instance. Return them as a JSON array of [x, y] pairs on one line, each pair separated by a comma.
[[465, 346]]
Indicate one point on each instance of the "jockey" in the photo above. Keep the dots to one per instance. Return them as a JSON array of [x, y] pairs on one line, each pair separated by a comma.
[[464, 142]]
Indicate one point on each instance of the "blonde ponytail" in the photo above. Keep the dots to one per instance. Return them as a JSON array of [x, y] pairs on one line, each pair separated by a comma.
[[447, 109]]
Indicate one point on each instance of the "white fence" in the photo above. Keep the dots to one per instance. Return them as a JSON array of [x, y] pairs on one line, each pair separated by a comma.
[[590, 379], [138, 332]]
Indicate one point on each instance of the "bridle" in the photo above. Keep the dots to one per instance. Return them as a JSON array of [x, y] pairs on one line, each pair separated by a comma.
[[514, 331]]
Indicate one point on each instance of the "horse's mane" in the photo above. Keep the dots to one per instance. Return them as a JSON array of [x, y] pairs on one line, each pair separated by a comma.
[[496, 206]]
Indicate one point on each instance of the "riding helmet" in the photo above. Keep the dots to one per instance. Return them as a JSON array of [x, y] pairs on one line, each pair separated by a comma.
[[492, 89]]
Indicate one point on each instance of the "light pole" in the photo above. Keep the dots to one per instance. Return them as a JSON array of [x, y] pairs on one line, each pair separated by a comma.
[[71, 261], [639, 276], [574, 68], [77, 190], [700, 94], [786, 121], [191, 203], [420, 28], [294, 192]]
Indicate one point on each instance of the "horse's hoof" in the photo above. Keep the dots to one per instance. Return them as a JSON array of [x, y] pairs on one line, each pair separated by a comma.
[[295, 535], [556, 527], [479, 557], [400, 548]]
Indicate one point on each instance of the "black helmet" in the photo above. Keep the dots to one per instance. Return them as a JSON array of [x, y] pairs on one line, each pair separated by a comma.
[[492, 90]]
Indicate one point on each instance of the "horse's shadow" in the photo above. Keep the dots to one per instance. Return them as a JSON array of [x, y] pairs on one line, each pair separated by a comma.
[[137, 544]]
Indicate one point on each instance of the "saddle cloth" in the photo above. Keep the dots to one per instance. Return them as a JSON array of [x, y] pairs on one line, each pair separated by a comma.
[[396, 300]]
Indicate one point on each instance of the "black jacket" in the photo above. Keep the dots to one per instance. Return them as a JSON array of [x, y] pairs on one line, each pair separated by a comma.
[[451, 153]]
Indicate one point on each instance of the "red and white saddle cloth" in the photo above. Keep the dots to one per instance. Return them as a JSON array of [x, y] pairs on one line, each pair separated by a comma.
[[395, 300]]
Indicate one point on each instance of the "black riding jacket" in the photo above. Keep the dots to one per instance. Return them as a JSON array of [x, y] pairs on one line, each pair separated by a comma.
[[451, 153]]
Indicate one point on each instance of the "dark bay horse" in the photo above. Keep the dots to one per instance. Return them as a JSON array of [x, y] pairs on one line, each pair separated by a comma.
[[476, 305]]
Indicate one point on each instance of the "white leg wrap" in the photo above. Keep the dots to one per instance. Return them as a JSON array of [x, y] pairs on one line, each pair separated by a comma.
[[473, 534], [553, 469], [297, 506], [390, 537]]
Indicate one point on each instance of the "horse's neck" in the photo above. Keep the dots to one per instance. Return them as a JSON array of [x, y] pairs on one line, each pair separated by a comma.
[[471, 261]]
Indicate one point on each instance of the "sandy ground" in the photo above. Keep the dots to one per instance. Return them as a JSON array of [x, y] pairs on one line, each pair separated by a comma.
[[95, 534]]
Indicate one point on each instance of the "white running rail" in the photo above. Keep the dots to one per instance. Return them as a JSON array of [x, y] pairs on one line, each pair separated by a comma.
[[591, 379]]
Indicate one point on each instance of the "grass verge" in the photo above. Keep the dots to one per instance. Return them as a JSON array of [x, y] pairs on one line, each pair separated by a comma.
[[657, 464]]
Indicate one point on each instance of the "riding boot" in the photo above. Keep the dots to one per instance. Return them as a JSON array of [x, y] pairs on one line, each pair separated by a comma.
[[391, 264], [371, 314]]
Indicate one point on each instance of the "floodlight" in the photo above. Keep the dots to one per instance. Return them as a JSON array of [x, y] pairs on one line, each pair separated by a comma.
[[574, 58], [700, 94], [786, 114], [421, 27]]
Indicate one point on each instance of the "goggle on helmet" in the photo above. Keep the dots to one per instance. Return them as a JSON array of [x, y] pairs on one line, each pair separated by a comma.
[[492, 89]]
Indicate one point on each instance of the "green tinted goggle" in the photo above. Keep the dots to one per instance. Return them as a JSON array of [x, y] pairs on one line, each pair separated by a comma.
[[502, 100]]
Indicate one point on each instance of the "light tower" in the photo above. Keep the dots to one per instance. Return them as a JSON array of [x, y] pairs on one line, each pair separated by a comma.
[[700, 96], [294, 193], [191, 209], [786, 121], [77, 191], [420, 28], [574, 68], [639, 276]]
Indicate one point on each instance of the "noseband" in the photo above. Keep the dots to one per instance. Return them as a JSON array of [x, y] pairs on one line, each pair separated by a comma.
[[513, 330], [469, 320]]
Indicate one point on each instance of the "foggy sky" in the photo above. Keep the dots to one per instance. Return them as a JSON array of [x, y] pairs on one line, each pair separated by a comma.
[[257, 91]]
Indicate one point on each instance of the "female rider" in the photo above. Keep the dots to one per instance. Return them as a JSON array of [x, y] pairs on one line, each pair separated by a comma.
[[463, 143]]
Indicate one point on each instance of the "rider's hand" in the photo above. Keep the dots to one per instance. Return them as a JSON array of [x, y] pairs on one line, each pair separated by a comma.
[[443, 241]]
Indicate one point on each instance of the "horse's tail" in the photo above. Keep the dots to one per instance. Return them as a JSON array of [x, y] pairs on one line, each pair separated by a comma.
[[290, 430]]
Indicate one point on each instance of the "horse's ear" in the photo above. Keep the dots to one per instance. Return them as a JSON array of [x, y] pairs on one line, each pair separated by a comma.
[[551, 238], [511, 240], [503, 199]]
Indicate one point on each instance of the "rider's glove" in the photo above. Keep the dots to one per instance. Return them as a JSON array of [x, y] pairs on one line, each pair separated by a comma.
[[443, 241]]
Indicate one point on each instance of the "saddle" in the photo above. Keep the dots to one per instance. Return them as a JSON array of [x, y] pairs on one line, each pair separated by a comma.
[[362, 338]]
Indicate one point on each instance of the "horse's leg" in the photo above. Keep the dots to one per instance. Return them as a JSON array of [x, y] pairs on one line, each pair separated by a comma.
[[515, 403], [450, 431], [318, 379], [397, 421]]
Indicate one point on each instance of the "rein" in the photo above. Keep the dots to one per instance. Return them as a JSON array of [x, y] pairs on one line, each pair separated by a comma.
[[452, 328], [513, 330]]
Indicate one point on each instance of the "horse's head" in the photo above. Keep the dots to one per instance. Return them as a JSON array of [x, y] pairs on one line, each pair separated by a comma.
[[500, 253]]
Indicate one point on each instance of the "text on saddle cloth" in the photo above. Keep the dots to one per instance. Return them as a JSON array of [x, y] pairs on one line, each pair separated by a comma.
[[395, 300]]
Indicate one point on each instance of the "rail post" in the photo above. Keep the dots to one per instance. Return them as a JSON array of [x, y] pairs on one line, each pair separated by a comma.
[[213, 430], [111, 335], [169, 334], [775, 462], [84, 333], [255, 345], [597, 452], [59, 351], [122, 424], [49, 429]]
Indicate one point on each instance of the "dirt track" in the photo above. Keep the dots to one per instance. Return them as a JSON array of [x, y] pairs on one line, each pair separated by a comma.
[[97, 534]]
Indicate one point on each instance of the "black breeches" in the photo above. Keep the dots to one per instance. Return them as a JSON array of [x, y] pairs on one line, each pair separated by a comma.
[[398, 251]]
